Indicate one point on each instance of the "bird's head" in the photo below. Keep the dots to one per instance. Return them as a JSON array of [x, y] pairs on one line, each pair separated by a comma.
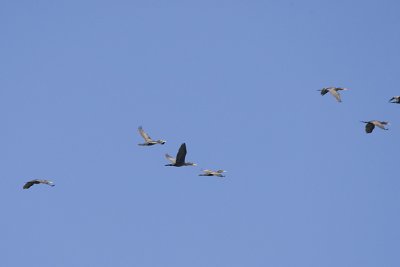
[[161, 141]]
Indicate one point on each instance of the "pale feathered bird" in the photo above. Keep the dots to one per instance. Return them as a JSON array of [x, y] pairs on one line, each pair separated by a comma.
[[147, 139], [37, 181], [212, 173], [370, 125], [333, 91], [179, 161], [395, 99]]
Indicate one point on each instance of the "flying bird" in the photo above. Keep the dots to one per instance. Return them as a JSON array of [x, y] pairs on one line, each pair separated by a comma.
[[370, 125], [395, 99], [147, 139], [37, 181], [179, 161], [212, 173], [333, 91]]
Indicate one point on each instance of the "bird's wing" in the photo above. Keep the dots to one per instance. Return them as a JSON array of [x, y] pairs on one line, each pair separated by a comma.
[[30, 183], [369, 127], [171, 159], [336, 95], [381, 124], [47, 182], [340, 88], [324, 91], [208, 171], [145, 136], [180, 157], [393, 98]]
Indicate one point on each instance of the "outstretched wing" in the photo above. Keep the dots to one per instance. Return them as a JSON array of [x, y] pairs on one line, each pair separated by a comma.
[[381, 124], [171, 159], [46, 182], [207, 171], [369, 127], [324, 91], [336, 95], [145, 136], [29, 184], [180, 157]]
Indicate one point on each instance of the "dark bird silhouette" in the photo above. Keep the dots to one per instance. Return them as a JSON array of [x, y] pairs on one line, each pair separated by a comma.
[[333, 91], [179, 161], [370, 125], [37, 181], [395, 100], [147, 138], [213, 173]]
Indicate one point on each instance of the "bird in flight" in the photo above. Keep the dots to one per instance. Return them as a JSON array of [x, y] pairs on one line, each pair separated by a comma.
[[179, 161], [218, 173], [370, 125], [147, 138], [37, 181], [395, 99], [333, 91]]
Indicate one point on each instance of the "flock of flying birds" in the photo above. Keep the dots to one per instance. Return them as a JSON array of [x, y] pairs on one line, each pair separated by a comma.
[[370, 125], [179, 160]]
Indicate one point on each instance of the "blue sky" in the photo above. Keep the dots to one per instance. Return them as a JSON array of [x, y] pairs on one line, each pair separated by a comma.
[[237, 82]]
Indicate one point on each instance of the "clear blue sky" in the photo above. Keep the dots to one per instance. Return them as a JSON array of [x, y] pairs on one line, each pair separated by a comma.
[[236, 81]]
